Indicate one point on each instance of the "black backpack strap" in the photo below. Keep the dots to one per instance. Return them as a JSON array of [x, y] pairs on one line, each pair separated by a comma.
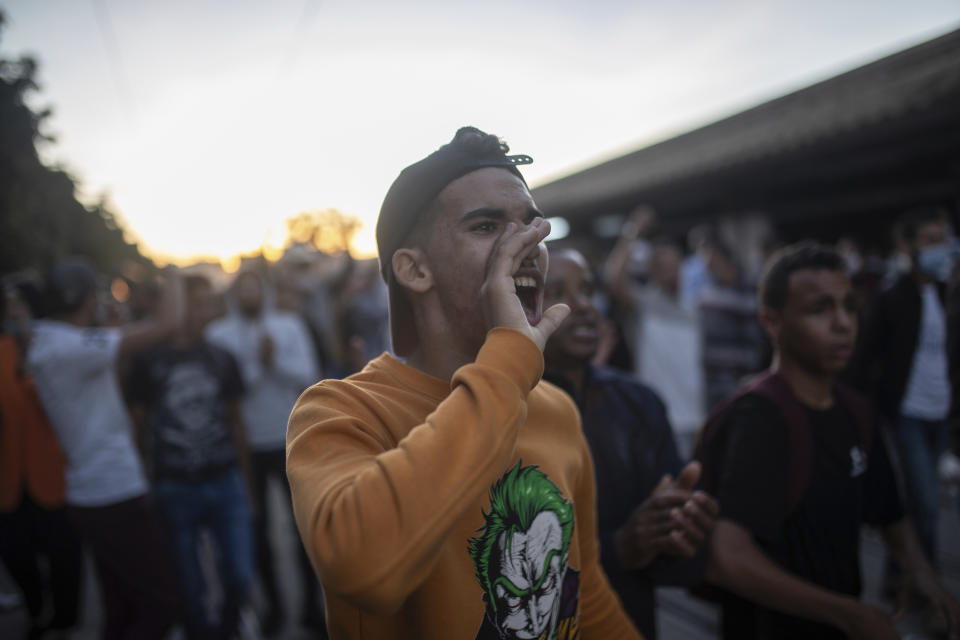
[[773, 386], [798, 433]]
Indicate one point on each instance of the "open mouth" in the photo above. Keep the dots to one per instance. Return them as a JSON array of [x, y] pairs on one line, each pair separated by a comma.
[[530, 295]]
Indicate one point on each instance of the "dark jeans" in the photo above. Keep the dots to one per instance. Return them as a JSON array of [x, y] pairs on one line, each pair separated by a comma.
[[30, 533], [218, 505], [919, 445], [134, 568], [264, 465]]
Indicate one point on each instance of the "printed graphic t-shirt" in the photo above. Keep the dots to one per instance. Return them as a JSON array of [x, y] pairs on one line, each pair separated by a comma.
[[185, 392], [819, 538]]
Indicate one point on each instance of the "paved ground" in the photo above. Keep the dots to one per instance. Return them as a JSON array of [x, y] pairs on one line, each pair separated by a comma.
[[681, 616]]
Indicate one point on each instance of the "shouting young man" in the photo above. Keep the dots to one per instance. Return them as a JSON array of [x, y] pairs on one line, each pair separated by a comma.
[[797, 467], [450, 494]]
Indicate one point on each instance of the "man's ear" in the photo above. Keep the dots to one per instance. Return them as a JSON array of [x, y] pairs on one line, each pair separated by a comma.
[[410, 269], [771, 320]]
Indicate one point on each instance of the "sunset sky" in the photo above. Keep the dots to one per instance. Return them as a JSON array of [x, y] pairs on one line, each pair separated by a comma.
[[209, 123]]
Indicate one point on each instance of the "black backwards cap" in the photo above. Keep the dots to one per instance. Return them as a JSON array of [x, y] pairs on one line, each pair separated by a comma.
[[68, 284], [412, 193]]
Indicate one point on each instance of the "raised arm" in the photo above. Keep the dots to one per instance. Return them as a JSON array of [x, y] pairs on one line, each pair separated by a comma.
[[616, 270], [142, 335], [373, 513]]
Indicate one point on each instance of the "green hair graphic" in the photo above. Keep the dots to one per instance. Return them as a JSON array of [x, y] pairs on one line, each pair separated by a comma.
[[515, 500]]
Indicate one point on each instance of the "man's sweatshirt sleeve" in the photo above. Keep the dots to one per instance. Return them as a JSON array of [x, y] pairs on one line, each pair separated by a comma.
[[601, 613], [374, 513]]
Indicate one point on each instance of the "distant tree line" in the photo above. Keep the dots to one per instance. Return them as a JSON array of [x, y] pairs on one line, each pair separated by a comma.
[[41, 219]]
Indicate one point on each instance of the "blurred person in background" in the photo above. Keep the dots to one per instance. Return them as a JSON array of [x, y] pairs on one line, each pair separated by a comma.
[[666, 331], [362, 316], [797, 465], [732, 340], [34, 527], [867, 270], [644, 540], [143, 300], [74, 364], [902, 362], [303, 267], [184, 395], [277, 362], [899, 262], [694, 273]]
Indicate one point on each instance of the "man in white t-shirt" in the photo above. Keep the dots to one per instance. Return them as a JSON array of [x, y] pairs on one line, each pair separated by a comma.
[[277, 362], [665, 332], [74, 365], [902, 359]]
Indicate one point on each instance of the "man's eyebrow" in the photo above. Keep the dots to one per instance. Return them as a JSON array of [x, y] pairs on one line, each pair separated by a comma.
[[498, 214], [484, 212]]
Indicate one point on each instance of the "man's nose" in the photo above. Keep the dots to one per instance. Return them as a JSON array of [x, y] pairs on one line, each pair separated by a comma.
[[844, 319], [581, 302]]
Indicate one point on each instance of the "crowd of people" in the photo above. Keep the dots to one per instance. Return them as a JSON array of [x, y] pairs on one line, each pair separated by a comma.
[[702, 422]]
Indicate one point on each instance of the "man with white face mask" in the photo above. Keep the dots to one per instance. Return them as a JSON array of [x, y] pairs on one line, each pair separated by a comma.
[[902, 359]]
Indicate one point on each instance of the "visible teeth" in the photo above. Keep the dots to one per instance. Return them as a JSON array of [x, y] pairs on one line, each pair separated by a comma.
[[524, 281]]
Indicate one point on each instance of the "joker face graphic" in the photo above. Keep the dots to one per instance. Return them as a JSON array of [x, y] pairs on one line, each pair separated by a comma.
[[521, 555], [532, 564]]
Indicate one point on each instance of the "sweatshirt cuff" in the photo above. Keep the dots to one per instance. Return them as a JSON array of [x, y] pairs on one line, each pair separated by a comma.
[[514, 354]]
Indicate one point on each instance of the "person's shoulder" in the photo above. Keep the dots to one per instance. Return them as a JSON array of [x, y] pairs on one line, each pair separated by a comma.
[[62, 337], [549, 394], [377, 378], [627, 385], [753, 402], [367, 397], [609, 376], [745, 413], [331, 396]]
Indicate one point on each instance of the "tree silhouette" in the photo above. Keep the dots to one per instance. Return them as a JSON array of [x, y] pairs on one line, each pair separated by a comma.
[[328, 230], [41, 219]]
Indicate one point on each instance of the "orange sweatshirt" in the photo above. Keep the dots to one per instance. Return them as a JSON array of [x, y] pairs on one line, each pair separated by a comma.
[[31, 459], [455, 510]]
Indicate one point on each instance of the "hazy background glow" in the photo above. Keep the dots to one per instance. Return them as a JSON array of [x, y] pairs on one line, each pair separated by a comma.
[[209, 123]]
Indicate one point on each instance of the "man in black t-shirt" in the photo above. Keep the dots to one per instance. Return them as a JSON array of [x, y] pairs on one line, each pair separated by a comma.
[[183, 397], [797, 469]]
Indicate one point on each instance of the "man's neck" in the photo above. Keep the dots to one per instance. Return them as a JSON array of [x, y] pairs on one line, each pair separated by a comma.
[[813, 389], [76, 319], [441, 359]]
